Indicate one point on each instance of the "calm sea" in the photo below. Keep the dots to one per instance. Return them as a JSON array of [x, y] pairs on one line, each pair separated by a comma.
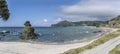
[[54, 35]]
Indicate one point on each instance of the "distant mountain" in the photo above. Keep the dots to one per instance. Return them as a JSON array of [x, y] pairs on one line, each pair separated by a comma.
[[90, 23], [81, 23], [63, 24], [115, 22]]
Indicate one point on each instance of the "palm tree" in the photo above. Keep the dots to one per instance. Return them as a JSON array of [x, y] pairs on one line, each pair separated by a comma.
[[4, 12]]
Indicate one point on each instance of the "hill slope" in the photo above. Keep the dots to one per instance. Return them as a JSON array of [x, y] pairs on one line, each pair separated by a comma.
[[115, 22]]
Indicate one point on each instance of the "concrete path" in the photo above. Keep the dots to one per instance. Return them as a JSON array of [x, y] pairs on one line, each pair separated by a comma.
[[104, 48]]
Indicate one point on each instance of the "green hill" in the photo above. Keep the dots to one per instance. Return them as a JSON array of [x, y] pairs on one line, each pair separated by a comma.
[[81, 23], [63, 24], [115, 22]]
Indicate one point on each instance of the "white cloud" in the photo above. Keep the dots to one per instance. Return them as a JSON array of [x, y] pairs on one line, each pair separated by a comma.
[[45, 20], [36, 23], [58, 20], [41, 23], [91, 10]]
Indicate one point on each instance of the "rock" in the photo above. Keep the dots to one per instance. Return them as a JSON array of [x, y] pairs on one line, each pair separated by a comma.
[[1, 33], [6, 31], [28, 32], [27, 36], [97, 31]]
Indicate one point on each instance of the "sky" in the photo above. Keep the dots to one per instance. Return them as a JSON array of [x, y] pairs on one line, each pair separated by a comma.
[[47, 12]]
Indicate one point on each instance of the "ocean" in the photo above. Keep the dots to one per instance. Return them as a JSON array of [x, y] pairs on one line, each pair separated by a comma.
[[54, 34]]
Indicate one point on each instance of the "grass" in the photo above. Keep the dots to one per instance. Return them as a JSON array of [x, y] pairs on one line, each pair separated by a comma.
[[95, 43], [116, 50]]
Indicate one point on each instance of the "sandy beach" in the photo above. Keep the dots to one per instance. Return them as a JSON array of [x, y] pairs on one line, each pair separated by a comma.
[[30, 48], [33, 48]]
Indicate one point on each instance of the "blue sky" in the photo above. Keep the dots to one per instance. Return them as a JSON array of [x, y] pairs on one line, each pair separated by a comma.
[[47, 12], [39, 12]]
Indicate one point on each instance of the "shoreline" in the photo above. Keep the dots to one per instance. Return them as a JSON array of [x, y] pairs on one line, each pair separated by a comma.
[[33, 48], [104, 48], [103, 31]]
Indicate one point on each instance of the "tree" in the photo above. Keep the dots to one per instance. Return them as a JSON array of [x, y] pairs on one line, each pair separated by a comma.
[[96, 24], [4, 11]]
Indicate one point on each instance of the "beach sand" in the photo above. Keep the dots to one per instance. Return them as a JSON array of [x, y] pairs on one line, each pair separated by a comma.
[[33, 48], [30, 48]]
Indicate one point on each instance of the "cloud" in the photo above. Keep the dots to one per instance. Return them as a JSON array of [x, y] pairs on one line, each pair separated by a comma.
[[58, 20], [91, 10], [45, 20], [36, 23]]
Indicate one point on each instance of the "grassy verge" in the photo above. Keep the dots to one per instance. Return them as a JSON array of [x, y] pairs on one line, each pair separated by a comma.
[[116, 50], [95, 43]]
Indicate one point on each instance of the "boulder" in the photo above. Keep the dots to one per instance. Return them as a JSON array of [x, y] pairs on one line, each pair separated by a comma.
[[28, 32], [6, 31], [1, 33], [97, 31]]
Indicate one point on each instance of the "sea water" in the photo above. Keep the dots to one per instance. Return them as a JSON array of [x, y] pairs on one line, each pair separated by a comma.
[[54, 34]]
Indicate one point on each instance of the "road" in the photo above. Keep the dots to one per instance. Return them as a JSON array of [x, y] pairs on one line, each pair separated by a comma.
[[104, 48]]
